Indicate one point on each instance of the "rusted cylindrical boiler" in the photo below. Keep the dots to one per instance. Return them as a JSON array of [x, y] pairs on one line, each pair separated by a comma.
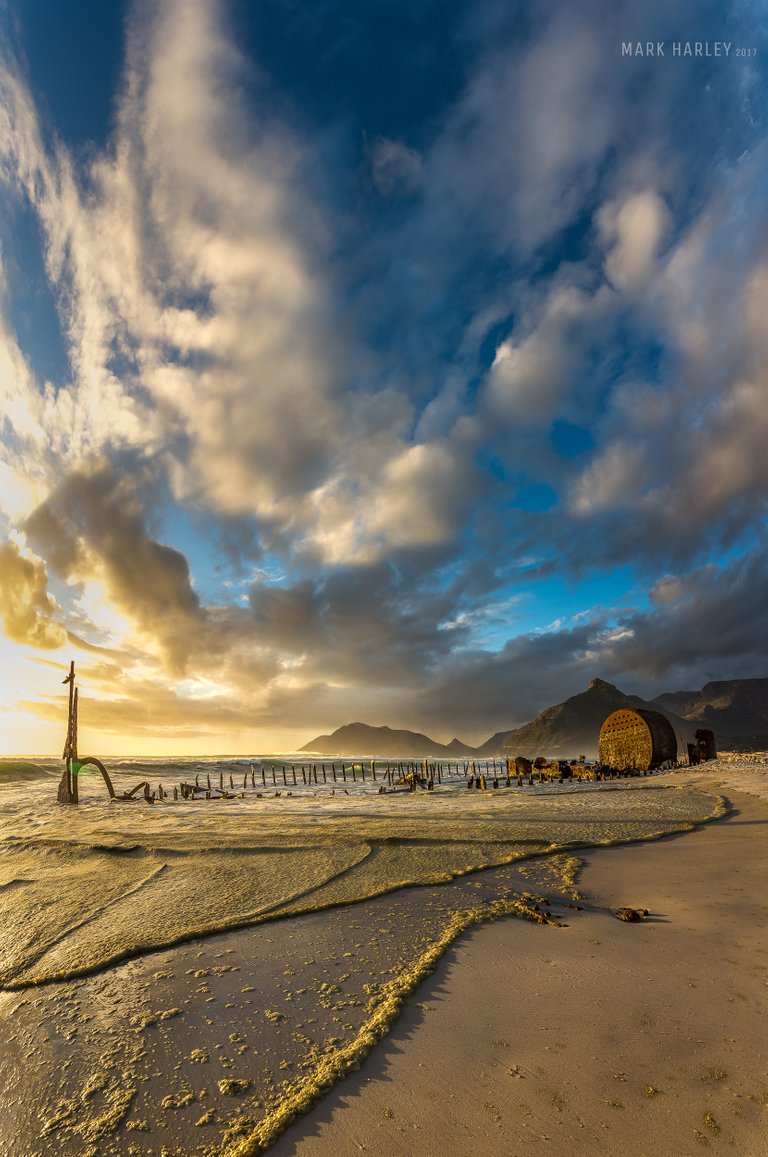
[[637, 739]]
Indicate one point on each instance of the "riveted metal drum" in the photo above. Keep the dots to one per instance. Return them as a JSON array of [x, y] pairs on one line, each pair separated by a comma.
[[636, 739]]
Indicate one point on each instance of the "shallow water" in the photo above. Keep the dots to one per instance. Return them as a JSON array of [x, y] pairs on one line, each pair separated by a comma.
[[84, 887]]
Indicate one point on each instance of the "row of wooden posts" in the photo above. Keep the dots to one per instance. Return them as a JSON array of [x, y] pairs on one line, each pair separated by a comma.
[[422, 773], [286, 775]]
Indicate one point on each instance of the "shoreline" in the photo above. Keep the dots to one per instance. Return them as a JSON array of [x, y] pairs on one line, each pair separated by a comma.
[[179, 1024], [610, 1038]]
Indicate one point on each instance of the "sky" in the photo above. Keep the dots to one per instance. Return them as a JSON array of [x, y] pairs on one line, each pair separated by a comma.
[[403, 363]]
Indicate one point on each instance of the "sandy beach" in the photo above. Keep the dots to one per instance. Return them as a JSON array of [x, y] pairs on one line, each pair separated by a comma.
[[594, 1036], [604, 1037], [383, 524]]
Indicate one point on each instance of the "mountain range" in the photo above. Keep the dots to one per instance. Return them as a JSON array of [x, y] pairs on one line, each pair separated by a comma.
[[735, 709]]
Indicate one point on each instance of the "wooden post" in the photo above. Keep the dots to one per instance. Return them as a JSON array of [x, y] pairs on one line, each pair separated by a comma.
[[67, 792], [65, 786], [73, 759], [71, 680]]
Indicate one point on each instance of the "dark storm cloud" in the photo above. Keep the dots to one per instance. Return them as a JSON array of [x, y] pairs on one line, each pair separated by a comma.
[[553, 120], [370, 625], [710, 624]]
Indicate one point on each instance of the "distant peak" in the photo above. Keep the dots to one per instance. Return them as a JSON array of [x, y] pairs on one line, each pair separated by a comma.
[[600, 685]]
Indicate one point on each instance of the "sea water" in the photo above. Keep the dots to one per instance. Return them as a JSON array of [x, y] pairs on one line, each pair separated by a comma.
[[84, 886]]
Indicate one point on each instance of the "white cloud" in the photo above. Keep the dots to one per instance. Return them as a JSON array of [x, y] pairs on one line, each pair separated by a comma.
[[422, 497], [634, 228], [201, 326], [683, 456], [538, 372], [527, 381], [417, 497], [614, 480]]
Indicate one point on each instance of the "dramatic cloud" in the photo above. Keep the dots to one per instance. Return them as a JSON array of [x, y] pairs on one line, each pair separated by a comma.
[[28, 610], [91, 528], [682, 454], [422, 410]]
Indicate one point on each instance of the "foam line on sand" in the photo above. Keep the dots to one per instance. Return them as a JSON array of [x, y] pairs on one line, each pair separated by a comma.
[[606, 1038]]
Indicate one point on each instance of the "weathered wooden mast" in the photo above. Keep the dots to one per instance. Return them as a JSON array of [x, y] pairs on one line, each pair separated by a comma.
[[68, 792], [68, 785]]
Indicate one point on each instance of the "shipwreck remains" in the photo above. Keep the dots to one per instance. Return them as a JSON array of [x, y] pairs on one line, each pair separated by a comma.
[[73, 764], [636, 739], [703, 748]]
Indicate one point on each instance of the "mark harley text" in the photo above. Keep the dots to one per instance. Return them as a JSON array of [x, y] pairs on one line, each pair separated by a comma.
[[678, 48]]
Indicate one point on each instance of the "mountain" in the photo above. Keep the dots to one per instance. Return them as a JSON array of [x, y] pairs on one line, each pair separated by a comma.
[[735, 709], [567, 729], [362, 739], [571, 728]]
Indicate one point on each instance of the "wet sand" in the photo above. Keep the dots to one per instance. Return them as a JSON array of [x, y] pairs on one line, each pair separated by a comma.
[[601, 1038], [186, 1049], [189, 1049]]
